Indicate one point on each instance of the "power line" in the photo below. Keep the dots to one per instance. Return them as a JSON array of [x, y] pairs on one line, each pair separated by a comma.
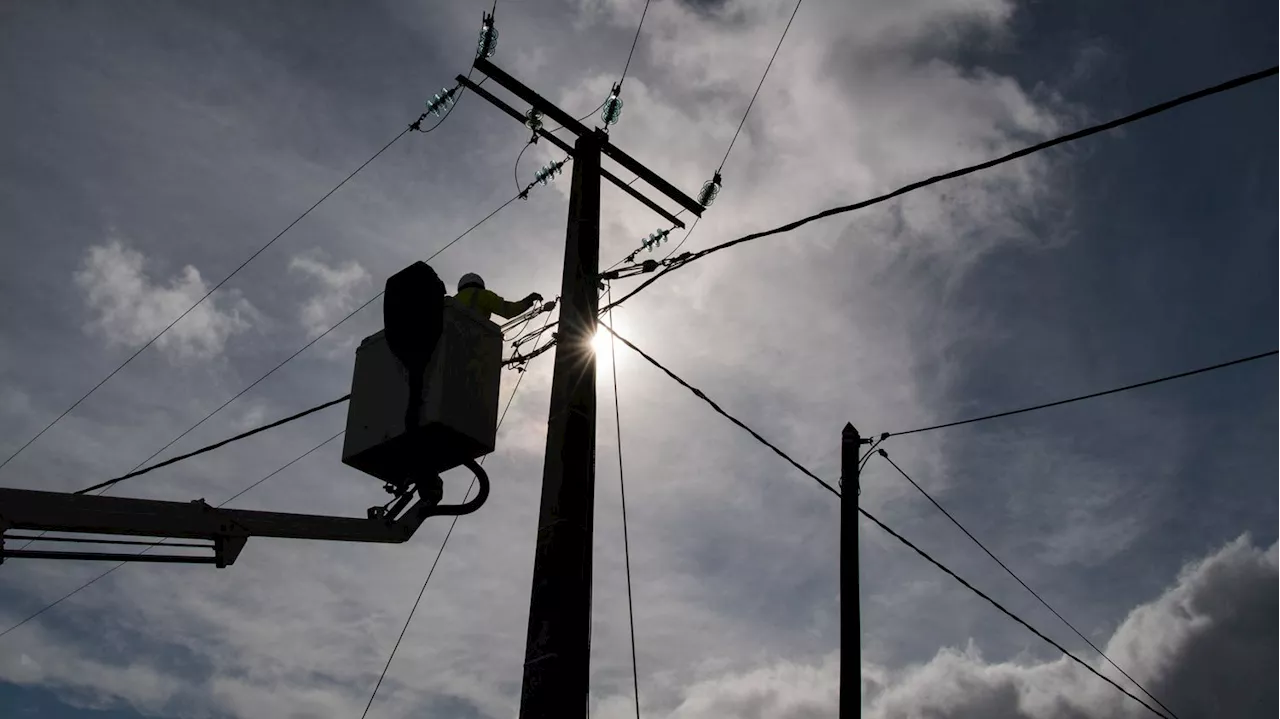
[[581, 119], [885, 527], [1008, 613], [620, 79], [216, 445], [760, 85], [1092, 395], [684, 239], [699, 393], [729, 149], [461, 90], [207, 417], [1011, 573], [634, 40], [867, 457], [1156, 109], [205, 297], [440, 552], [622, 491], [233, 497], [307, 346], [515, 171]]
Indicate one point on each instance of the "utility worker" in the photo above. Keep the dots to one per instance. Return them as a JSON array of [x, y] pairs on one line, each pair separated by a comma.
[[471, 293]]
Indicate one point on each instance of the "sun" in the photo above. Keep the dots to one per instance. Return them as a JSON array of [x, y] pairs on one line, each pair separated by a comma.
[[600, 342]]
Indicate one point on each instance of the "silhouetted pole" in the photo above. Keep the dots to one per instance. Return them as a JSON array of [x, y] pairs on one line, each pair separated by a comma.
[[850, 600], [556, 661], [558, 649]]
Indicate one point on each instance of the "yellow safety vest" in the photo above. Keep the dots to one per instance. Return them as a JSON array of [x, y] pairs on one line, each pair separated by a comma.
[[487, 302]]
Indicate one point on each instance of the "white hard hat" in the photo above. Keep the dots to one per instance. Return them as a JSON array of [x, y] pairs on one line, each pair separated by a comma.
[[470, 279]]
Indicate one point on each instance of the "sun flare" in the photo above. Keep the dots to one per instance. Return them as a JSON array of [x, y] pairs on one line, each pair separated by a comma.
[[600, 342]]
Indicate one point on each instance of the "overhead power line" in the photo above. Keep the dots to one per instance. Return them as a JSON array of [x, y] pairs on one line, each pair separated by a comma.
[[886, 528], [622, 491], [306, 346], [229, 500], [198, 302], [1092, 395], [759, 85], [683, 260], [1008, 613], [436, 561], [702, 396], [634, 40], [600, 107], [1011, 573], [684, 239], [216, 445], [729, 149]]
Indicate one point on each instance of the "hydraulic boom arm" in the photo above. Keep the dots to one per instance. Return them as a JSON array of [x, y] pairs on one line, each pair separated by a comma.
[[225, 530]]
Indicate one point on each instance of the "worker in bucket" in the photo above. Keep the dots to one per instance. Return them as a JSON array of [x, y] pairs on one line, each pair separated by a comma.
[[472, 293]]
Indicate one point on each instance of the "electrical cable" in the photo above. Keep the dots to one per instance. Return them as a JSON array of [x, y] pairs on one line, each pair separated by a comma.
[[870, 451], [1011, 573], [518, 360], [308, 345], [432, 570], [216, 445], [515, 171], [760, 85], [622, 491], [1063, 139], [188, 311], [729, 149], [886, 528], [683, 240], [634, 40], [582, 119], [461, 90], [699, 393], [1092, 395], [233, 497], [1008, 613]]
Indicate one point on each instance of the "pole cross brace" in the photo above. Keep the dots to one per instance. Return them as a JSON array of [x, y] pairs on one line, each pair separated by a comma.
[[571, 124]]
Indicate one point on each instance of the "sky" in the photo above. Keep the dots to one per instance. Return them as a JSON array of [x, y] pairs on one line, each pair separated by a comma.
[[151, 147]]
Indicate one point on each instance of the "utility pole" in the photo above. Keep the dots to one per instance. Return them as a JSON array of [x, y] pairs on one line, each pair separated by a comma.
[[558, 646], [556, 662], [850, 600]]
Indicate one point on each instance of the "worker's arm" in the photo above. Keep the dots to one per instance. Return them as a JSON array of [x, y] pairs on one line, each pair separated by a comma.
[[490, 302]]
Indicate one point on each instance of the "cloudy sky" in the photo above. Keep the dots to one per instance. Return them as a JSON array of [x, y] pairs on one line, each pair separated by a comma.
[[150, 147]]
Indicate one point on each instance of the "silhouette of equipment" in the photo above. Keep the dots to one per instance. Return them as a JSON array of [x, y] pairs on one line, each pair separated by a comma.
[[424, 400]]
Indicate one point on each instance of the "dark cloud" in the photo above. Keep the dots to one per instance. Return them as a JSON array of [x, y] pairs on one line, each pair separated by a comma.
[[1206, 647], [705, 6]]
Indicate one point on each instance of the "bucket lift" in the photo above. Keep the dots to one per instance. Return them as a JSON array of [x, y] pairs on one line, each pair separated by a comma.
[[424, 400]]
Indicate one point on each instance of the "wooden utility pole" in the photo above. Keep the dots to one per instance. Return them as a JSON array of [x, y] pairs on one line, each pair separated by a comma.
[[558, 648], [850, 600], [556, 653]]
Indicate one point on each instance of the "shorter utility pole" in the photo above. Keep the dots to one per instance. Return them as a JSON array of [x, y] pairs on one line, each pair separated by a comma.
[[850, 600]]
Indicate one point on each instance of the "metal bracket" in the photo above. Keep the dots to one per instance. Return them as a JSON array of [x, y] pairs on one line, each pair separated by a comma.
[[568, 149], [571, 124]]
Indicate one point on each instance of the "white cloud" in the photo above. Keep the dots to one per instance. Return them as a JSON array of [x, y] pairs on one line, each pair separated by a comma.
[[731, 550], [342, 288], [131, 308], [1206, 648]]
